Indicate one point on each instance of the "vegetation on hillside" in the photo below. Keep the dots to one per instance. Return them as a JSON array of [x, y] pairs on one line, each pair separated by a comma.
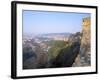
[[56, 48]]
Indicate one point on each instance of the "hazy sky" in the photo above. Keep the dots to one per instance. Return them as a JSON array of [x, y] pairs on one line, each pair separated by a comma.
[[37, 22]]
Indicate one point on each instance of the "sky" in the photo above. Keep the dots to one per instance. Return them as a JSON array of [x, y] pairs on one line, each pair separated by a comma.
[[41, 22]]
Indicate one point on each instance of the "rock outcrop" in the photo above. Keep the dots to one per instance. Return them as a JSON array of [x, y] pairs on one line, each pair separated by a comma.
[[84, 59]]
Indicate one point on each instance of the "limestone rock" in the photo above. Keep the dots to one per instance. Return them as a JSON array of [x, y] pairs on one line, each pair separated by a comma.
[[84, 57]]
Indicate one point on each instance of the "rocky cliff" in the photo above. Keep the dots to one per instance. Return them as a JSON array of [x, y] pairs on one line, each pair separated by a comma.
[[84, 59]]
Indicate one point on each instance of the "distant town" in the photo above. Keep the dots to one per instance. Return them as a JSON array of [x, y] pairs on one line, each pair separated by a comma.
[[42, 40]]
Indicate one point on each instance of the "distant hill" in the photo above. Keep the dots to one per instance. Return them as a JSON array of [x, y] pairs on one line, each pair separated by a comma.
[[55, 34]]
